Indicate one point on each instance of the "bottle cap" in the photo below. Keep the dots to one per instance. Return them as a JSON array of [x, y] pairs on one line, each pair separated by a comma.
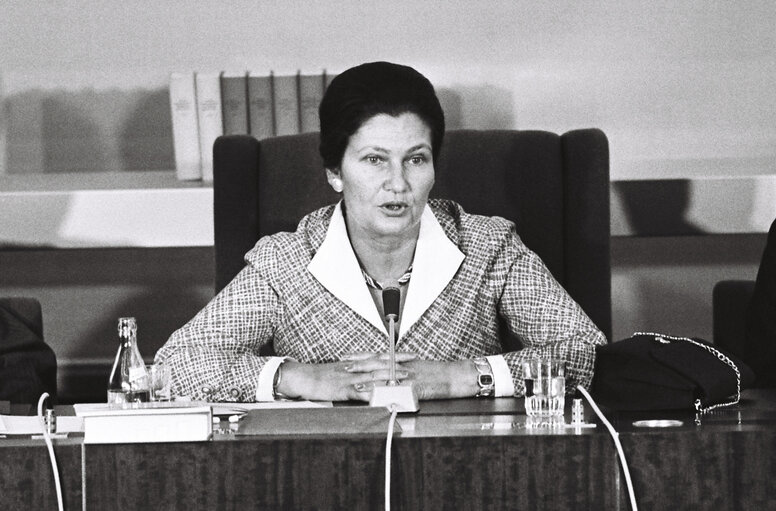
[[127, 327]]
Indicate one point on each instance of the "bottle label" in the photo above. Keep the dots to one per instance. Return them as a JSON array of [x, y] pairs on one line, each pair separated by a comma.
[[137, 373]]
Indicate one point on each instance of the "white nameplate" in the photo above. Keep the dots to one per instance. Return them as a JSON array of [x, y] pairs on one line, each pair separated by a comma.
[[134, 425]]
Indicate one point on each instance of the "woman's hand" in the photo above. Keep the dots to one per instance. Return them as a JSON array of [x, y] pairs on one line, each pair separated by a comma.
[[433, 379], [350, 379]]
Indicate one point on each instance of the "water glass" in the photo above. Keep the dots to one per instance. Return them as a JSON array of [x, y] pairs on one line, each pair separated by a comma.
[[545, 387], [159, 376]]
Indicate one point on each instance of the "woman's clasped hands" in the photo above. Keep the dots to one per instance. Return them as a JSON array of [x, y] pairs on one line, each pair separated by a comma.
[[355, 376], [352, 378]]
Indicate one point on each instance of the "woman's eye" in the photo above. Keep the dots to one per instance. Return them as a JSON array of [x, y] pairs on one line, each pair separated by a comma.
[[418, 160], [374, 160]]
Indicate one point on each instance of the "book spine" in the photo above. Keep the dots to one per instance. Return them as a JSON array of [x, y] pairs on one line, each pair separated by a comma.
[[261, 117], [286, 104], [311, 89], [234, 103], [210, 118], [185, 128]]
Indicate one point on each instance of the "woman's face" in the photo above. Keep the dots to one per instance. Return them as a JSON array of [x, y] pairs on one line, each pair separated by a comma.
[[385, 177]]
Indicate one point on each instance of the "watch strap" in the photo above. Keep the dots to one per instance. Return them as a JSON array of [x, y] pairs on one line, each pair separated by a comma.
[[485, 380]]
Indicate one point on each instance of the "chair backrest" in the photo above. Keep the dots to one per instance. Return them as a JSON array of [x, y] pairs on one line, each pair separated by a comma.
[[554, 187], [28, 366], [730, 301]]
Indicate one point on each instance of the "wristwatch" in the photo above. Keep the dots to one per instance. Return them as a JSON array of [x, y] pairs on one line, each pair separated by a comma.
[[484, 378]]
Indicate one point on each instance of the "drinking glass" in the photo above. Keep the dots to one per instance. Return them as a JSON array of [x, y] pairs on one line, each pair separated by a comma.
[[545, 387], [159, 377]]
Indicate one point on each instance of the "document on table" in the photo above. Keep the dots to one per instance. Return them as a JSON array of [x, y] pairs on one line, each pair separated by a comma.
[[219, 409], [339, 420], [30, 425]]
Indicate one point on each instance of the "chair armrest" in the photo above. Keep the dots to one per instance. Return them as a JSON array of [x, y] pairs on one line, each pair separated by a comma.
[[26, 310], [235, 203], [587, 223], [730, 300]]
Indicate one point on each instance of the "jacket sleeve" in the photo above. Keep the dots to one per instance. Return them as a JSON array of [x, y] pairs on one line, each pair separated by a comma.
[[215, 356], [542, 315]]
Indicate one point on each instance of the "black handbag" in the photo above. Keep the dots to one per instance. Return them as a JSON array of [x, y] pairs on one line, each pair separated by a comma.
[[650, 371]]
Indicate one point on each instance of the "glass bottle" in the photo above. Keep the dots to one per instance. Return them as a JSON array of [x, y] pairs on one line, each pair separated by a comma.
[[128, 382]]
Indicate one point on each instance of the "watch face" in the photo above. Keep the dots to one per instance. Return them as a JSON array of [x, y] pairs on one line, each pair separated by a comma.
[[485, 380]]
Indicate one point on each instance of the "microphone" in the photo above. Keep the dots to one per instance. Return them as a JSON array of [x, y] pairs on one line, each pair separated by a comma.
[[391, 299], [394, 394]]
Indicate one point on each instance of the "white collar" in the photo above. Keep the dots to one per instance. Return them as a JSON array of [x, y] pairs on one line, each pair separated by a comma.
[[436, 261]]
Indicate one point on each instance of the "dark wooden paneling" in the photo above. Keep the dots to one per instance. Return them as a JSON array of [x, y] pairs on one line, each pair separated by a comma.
[[322, 473], [497, 472], [690, 470], [26, 477], [505, 472]]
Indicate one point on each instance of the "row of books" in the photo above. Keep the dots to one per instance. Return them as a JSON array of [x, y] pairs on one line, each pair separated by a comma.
[[207, 105]]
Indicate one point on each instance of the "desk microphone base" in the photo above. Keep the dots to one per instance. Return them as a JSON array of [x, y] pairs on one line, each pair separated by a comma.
[[403, 396]]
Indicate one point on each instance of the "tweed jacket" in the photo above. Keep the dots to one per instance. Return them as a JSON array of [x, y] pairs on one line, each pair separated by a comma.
[[451, 312]]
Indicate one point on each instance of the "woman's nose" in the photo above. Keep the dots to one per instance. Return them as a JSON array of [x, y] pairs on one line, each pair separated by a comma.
[[396, 181]]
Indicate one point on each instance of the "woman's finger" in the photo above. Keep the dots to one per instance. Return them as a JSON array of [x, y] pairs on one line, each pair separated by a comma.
[[401, 356], [369, 365], [379, 376], [361, 355]]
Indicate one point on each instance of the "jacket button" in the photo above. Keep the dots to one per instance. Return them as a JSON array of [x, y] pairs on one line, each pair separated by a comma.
[[234, 393]]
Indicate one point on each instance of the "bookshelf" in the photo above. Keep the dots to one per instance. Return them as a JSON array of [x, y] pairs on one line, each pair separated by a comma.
[[148, 209], [156, 210]]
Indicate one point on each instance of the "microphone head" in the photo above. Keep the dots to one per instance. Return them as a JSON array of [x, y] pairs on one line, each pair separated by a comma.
[[391, 298]]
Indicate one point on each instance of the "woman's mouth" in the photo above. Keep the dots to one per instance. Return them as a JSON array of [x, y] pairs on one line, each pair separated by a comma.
[[394, 207]]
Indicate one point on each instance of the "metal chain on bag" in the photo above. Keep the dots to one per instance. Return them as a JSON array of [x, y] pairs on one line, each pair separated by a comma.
[[720, 356]]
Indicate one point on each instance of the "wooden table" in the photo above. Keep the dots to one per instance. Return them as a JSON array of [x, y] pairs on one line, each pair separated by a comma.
[[460, 454]]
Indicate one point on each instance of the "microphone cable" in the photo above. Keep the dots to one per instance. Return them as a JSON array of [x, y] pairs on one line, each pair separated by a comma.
[[616, 437], [391, 300], [388, 443], [50, 447]]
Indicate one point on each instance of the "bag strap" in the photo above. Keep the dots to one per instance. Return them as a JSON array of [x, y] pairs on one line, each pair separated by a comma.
[[722, 358]]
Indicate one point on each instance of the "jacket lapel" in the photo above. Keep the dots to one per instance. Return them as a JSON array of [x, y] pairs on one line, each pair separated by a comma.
[[436, 261], [335, 266]]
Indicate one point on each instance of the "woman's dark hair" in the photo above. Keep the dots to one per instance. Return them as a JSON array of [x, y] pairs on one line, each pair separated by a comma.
[[358, 94]]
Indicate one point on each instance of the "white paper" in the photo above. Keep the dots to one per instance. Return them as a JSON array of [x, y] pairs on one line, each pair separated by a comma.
[[218, 408], [30, 425]]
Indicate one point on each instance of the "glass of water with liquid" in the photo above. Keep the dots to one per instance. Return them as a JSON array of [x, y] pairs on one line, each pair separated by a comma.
[[545, 389]]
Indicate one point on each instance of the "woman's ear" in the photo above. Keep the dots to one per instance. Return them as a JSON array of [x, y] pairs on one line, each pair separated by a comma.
[[334, 179]]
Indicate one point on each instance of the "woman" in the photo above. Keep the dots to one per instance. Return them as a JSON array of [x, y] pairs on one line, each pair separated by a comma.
[[315, 294]]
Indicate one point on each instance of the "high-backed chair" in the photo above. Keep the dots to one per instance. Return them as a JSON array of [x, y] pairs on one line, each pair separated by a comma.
[[554, 187], [730, 301], [744, 319], [28, 366]]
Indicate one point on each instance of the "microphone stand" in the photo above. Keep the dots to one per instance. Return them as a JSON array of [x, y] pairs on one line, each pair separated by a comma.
[[392, 381], [393, 394]]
